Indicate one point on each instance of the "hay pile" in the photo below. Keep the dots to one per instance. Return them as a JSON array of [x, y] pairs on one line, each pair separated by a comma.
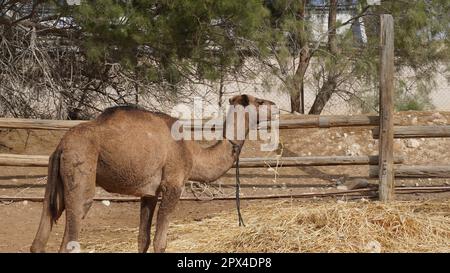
[[313, 227]]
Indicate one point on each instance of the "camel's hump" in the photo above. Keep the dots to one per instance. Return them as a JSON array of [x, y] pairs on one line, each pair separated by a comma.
[[132, 108]]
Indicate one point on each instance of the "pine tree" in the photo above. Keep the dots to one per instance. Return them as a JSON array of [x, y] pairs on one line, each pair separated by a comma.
[[171, 40]]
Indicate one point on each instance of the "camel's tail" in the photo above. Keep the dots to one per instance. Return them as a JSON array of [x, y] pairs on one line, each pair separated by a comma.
[[53, 205]]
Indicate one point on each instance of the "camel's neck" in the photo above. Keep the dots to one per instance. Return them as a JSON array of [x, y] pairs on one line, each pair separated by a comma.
[[211, 163]]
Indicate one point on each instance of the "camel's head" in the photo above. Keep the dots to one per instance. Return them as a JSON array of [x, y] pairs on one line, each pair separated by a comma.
[[260, 105], [254, 112], [246, 100]]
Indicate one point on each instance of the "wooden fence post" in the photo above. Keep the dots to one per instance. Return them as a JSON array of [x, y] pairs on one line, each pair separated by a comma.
[[386, 142]]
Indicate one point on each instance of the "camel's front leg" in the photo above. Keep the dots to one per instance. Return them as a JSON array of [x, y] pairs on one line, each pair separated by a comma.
[[170, 196]]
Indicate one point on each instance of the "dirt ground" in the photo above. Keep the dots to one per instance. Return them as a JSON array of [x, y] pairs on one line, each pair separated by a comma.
[[19, 220], [118, 222]]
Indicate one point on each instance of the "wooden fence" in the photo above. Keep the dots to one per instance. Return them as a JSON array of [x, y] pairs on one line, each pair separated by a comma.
[[385, 166]]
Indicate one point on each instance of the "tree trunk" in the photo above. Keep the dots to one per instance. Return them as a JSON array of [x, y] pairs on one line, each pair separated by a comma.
[[324, 95], [330, 84], [297, 92], [332, 45]]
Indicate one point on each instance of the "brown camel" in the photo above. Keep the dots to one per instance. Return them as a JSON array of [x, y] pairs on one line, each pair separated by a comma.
[[129, 151]]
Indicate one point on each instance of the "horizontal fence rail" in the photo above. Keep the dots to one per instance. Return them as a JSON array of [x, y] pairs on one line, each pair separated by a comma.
[[416, 171], [38, 124], [419, 131], [358, 193], [401, 171], [24, 160], [319, 121], [307, 121], [256, 162]]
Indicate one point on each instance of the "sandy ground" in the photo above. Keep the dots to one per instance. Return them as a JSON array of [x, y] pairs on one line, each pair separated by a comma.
[[20, 221], [118, 222]]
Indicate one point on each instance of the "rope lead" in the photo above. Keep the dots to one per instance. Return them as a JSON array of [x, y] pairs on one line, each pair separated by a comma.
[[237, 149]]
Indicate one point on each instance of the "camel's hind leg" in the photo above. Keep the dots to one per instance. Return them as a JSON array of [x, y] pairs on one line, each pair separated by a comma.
[[170, 195], [148, 204], [78, 172]]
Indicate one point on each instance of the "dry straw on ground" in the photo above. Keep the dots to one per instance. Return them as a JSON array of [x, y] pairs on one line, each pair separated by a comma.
[[292, 226]]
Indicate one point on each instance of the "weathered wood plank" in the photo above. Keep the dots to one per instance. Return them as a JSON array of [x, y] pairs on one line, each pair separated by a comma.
[[417, 131], [386, 147], [367, 192], [307, 121], [258, 162], [24, 160], [416, 171], [38, 124], [317, 121]]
